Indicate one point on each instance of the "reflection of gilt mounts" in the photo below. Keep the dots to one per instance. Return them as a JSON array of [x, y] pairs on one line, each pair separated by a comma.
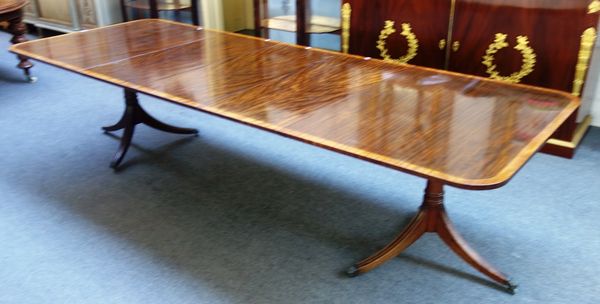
[[522, 46], [413, 42], [553, 43]]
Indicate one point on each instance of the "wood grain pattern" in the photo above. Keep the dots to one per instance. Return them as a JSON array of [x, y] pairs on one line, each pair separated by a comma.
[[465, 131]]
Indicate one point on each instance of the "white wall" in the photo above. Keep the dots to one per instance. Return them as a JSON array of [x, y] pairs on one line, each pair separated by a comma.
[[596, 113], [592, 90], [237, 15], [212, 14], [229, 15], [108, 12], [592, 87], [596, 107]]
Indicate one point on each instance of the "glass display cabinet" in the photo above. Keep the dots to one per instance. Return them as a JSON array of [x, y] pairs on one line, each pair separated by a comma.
[[179, 10], [72, 15], [306, 19]]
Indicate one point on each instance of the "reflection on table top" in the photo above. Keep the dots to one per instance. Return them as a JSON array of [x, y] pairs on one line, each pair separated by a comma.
[[466, 131]]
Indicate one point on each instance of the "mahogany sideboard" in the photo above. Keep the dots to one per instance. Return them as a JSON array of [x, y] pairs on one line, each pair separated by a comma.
[[546, 43]]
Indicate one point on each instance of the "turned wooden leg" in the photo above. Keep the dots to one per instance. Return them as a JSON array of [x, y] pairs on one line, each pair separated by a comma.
[[409, 235], [145, 118], [17, 28], [120, 124], [129, 128], [454, 240], [432, 217], [134, 114]]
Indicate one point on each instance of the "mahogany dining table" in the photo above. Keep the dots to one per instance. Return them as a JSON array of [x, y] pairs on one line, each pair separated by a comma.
[[448, 128]]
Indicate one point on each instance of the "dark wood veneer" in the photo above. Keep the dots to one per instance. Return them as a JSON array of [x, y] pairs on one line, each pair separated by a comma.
[[424, 16]]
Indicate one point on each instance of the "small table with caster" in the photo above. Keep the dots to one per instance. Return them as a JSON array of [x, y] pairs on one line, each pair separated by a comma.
[[11, 11]]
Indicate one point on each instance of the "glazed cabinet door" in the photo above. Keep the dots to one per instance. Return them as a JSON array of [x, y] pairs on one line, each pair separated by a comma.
[[404, 31], [535, 42], [72, 15], [55, 11]]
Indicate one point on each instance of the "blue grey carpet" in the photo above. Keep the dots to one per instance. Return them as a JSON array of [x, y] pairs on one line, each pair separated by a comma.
[[238, 215]]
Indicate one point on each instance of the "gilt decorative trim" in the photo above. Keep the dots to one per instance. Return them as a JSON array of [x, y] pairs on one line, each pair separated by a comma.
[[455, 46], [585, 53], [529, 58], [346, 13], [442, 44], [450, 33], [594, 7], [413, 42]]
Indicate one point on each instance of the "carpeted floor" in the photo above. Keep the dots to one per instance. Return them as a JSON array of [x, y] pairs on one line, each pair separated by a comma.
[[238, 215]]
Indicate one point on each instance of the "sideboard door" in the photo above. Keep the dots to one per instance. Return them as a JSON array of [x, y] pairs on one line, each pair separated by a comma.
[[404, 31], [534, 42]]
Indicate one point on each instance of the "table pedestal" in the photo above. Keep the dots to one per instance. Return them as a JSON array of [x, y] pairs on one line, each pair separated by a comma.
[[432, 217], [134, 114]]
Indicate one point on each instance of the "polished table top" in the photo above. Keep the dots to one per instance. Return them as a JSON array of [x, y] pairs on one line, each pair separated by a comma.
[[465, 131]]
